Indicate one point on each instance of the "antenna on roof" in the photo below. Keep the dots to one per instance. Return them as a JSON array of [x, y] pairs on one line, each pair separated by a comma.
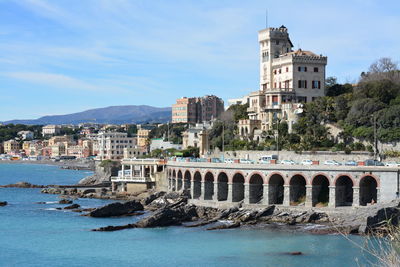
[[266, 18]]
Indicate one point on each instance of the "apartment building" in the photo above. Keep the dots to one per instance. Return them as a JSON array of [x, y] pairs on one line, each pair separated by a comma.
[[51, 130], [111, 145], [11, 146], [197, 109]]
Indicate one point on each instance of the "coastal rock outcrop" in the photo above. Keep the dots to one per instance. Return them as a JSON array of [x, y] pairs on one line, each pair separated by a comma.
[[173, 215], [73, 206], [65, 201], [102, 173], [117, 209], [22, 185]]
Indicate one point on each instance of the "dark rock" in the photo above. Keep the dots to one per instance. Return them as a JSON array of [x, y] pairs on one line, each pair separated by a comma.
[[65, 201], [169, 216], [3, 203], [117, 209], [265, 212], [226, 213], [172, 195], [152, 197], [382, 218], [23, 185], [73, 206], [52, 190], [114, 228], [225, 226], [88, 191]]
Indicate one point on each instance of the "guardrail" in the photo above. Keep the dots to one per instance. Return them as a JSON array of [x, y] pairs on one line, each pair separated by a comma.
[[131, 179]]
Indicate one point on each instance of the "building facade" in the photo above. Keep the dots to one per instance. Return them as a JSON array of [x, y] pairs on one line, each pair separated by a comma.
[[111, 145], [51, 130], [11, 146], [197, 136], [287, 79], [197, 109]]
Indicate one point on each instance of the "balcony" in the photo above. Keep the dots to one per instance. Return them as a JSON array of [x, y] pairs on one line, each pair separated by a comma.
[[274, 105], [127, 177], [252, 109]]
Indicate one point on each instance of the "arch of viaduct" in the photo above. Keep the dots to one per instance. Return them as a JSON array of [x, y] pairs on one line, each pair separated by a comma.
[[350, 186]]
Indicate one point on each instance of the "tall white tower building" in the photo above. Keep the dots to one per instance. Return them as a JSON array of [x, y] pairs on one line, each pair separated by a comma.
[[287, 78]]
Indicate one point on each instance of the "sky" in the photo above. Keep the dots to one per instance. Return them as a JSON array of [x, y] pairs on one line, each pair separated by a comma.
[[65, 56]]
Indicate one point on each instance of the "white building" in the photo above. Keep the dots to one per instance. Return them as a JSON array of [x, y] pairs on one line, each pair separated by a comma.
[[287, 78], [51, 130], [111, 145], [26, 135], [238, 101], [159, 143]]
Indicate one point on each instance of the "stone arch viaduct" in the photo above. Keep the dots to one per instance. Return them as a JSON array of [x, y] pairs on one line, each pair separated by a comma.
[[287, 185]]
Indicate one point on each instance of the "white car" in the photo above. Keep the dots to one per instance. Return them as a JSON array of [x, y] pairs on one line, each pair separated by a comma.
[[288, 162], [229, 161], [332, 163], [306, 162], [392, 164], [246, 161]]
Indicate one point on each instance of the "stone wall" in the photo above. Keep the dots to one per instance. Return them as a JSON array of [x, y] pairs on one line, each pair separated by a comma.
[[291, 155]]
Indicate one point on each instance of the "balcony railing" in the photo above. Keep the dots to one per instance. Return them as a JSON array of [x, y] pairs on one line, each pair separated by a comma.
[[130, 179]]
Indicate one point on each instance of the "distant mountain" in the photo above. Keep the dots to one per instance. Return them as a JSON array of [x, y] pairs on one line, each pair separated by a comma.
[[112, 115]]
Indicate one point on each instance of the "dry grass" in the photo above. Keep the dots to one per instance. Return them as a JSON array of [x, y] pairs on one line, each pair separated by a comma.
[[381, 244]]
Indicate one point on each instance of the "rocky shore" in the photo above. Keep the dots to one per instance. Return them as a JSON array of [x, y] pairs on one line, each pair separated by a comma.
[[173, 209], [23, 185]]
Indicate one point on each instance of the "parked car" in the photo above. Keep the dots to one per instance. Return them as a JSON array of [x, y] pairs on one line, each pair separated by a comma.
[[266, 159], [392, 164], [246, 161], [287, 162], [306, 162], [216, 160], [350, 163], [332, 163], [373, 162], [229, 161]]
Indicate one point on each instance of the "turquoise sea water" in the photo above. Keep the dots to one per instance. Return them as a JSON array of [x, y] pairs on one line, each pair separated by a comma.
[[37, 235]]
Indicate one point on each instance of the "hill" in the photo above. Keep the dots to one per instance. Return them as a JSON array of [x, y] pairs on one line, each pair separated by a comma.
[[112, 115]]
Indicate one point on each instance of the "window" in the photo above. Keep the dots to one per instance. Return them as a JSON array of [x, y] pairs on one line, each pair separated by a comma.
[[277, 42], [280, 85], [302, 99], [274, 71], [274, 84], [316, 84], [287, 69], [286, 84], [280, 71], [302, 69], [315, 69], [302, 84]]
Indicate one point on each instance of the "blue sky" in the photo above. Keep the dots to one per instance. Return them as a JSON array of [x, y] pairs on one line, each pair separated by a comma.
[[66, 56]]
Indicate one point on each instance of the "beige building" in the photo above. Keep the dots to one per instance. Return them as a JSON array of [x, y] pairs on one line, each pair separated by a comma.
[[111, 145], [11, 146], [197, 109], [287, 79], [61, 139], [143, 137], [197, 136]]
